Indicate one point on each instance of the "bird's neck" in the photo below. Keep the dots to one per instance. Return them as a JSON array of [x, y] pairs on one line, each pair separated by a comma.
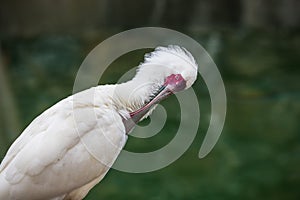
[[134, 94], [130, 97]]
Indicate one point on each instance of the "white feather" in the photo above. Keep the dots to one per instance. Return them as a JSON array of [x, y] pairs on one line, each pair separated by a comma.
[[50, 148]]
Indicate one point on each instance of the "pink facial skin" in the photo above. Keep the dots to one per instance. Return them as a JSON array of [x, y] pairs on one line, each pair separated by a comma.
[[175, 82]]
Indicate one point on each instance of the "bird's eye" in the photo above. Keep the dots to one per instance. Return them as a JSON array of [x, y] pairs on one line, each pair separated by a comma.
[[176, 76]]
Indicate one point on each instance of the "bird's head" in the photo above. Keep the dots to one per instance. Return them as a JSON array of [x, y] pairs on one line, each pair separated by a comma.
[[173, 65], [171, 69]]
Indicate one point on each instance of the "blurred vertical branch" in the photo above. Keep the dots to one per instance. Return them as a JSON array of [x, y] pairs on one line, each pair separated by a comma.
[[9, 124], [158, 12]]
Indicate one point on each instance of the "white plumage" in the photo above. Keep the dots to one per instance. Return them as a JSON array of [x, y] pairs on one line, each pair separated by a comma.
[[54, 157]]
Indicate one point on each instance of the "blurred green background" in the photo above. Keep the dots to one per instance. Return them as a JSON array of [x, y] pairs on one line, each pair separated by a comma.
[[255, 44]]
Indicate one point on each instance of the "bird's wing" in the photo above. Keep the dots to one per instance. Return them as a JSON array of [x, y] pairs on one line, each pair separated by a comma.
[[46, 139], [50, 135], [38, 126], [53, 146]]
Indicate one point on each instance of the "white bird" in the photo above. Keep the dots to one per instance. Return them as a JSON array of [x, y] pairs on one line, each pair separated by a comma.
[[69, 148]]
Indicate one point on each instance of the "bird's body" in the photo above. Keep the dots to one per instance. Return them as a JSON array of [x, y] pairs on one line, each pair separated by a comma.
[[65, 162], [70, 147]]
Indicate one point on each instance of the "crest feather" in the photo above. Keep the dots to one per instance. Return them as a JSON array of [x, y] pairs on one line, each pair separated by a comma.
[[175, 50]]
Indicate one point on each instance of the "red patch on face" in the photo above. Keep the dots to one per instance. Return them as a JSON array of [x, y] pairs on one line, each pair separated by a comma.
[[176, 82]]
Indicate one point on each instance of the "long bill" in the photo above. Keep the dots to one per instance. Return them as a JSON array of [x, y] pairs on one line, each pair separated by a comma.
[[137, 115]]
